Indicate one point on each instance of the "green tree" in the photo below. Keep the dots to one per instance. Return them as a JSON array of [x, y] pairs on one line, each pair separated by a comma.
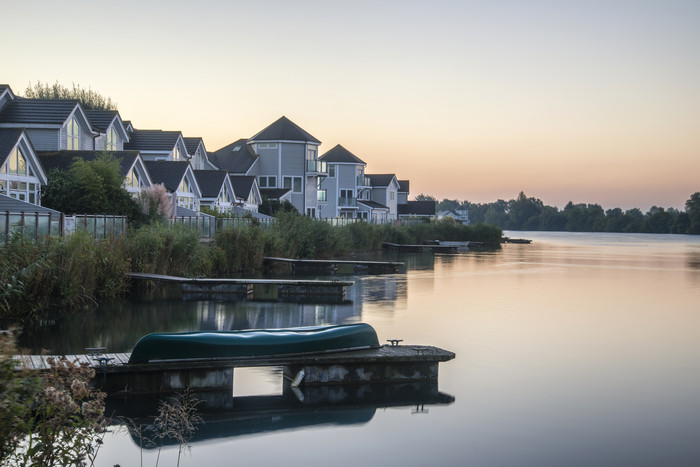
[[90, 187], [692, 208], [422, 197], [87, 97]]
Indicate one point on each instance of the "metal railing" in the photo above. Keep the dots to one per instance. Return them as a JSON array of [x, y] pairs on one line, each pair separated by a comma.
[[206, 225], [33, 224], [347, 202], [363, 181], [100, 226], [317, 166]]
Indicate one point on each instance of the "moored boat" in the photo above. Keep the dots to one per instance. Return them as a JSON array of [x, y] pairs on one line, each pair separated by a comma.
[[253, 342]]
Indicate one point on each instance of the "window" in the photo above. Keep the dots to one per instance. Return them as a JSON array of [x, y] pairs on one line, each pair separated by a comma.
[[176, 153], [184, 186], [223, 197], [293, 183], [16, 164], [311, 152], [346, 193], [132, 179], [73, 135], [311, 212], [267, 145], [268, 182], [331, 170], [392, 195], [111, 143]]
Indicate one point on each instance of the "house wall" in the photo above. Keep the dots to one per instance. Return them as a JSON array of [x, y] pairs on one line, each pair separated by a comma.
[[86, 140], [330, 184], [102, 139], [45, 139]]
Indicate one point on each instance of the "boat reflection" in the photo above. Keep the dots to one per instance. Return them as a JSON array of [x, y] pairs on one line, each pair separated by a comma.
[[224, 416]]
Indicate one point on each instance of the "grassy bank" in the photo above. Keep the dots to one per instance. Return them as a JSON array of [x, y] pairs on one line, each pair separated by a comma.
[[61, 274]]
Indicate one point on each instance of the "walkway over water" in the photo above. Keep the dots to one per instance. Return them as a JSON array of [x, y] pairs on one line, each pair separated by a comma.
[[315, 265], [245, 287], [386, 364]]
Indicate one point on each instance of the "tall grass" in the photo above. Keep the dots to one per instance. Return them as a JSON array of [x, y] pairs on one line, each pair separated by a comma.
[[240, 249]]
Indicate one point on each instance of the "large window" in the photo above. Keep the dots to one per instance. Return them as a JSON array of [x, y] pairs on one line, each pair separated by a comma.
[[293, 183], [111, 142], [73, 135], [17, 179], [132, 179], [311, 152]]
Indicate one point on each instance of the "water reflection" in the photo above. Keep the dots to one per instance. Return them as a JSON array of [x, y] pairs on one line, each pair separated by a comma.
[[225, 416]]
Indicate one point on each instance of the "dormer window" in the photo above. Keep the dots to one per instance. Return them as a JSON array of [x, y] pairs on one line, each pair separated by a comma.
[[132, 180], [73, 135], [111, 142], [16, 164], [176, 153]]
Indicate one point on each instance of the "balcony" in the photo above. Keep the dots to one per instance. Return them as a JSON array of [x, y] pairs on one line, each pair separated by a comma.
[[344, 202], [322, 196], [314, 167], [363, 181]]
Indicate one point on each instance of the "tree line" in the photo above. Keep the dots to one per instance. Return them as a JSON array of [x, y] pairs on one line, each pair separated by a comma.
[[528, 213]]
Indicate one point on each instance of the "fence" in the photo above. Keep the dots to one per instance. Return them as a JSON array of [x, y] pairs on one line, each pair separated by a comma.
[[32, 224], [206, 225], [100, 226]]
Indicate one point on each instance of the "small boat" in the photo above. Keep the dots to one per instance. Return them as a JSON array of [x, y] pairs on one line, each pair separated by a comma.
[[518, 240], [200, 345]]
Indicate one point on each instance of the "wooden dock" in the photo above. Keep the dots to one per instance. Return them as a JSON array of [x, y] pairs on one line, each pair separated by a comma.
[[332, 265], [386, 364], [245, 288], [433, 247]]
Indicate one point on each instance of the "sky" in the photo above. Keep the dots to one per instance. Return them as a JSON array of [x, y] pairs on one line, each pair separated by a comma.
[[584, 101]]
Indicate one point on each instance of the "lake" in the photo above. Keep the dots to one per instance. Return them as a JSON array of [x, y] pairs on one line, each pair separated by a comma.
[[578, 349]]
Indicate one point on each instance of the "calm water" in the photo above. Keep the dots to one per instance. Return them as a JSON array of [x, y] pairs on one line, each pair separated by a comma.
[[578, 349]]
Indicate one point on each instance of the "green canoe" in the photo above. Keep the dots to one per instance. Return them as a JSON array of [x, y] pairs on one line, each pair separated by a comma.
[[252, 343]]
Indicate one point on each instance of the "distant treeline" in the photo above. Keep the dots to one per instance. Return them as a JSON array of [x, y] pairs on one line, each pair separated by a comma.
[[526, 213]]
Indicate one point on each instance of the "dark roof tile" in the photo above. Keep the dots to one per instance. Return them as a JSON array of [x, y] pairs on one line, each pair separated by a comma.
[[62, 160], [417, 208], [152, 140], [8, 140], [37, 111], [380, 179], [101, 119], [242, 184], [284, 130], [340, 154], [210, 182], [236, 157], [169, 173], [372, 204]]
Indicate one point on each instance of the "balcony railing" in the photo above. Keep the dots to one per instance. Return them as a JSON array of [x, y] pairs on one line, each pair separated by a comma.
[[322, 196], [345, 202], [319, 167], [363, 181]]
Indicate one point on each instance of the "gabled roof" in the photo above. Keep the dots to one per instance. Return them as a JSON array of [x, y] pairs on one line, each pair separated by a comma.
[[242, 184], [372, 204], [5, 88], [101, 119], [236, 157], [169, 173], [38, 111], [8, 203], [339, 154], [62, 160], [210, 182], [8, 140], [284, 130], [153, 140], [417, 208], [193, 143], [403, 186], [380, 179]]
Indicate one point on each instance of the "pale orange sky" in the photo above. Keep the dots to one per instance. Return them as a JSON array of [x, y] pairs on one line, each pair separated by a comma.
[[592, 101]]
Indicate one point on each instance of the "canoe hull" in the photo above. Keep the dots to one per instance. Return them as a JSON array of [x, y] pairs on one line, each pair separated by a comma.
[[252, 343]]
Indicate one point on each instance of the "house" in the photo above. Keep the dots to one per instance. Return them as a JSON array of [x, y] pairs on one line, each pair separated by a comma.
[[131, 165], [197, 154], [384, 191], [21, 174], [417, 210], [6, 95], [50, 124], [461, 215], [158, 145], [248, 196], [179, 179], [345, 185], [217, 190], [111, 131], [288, 159]]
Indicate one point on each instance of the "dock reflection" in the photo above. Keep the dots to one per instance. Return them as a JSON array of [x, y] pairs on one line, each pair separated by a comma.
[[226, 416]]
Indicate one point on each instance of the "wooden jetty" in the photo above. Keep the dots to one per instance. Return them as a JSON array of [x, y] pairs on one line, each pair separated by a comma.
[[246, 287], [435, 248], [387, 364], [332, 265]]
